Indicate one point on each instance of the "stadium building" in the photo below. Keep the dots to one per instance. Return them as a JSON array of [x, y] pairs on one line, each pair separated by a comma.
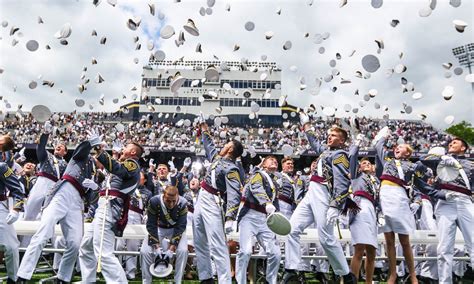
[[239, 91]]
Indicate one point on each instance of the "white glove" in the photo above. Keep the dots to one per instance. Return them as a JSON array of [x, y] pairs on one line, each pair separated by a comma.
[[229, 226], [12, 217], [89, 183], [47, 127], [304, 118], [171, 164], [187, 162], [22, 154], [117, 146], [94, 138], [270, 208], [414, 207], [158, 250], [169, 254], [151, 163], [359, 139], [448, 161], [332, 215], [381, 220]]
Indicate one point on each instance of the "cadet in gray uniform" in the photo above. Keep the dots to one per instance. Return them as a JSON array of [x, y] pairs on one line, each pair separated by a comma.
[[167, 218], [287, 190], [457, 210], [114, 203], [63, 205], [216, 208], [363, 225], [396, 194], [327, 197], [50, 169], [260, 199], [138, 204], [8, 215]]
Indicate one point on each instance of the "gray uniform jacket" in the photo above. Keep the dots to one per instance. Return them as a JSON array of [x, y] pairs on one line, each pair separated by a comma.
[[258, 192], [335, 171], [362, 184], [175, 218], [8, 181], [227, 178], [388, 170], [80, 167], [286, 188], [49, 166]]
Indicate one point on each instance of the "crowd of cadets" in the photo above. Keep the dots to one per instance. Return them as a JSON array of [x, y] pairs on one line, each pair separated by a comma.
[[392, 195]]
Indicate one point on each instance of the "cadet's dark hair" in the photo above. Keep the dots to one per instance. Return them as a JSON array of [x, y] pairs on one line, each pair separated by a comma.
[[238, 149], [341, 131], [9, 143], [463, 142], [139, 148]]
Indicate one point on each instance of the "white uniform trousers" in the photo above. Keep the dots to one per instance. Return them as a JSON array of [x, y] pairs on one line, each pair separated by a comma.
[[427, 222], [60, 243], [87, 259], [209, 238], [253, 224], [111, 268], [450, 215], [66, 208], [313, 209], [134, 218], [147, 256], [34, 203], [9, 243]]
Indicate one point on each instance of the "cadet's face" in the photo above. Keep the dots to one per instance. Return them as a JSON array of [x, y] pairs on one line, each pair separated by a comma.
[[313, 166], [334, 139], [60, 150], [402, 151], [194, 184], [127, 152], [365, 166], [29, 168], [162, 171], [456, 147], [170, 200], [225, 150], [2, 141], [288, 166], [271, 165]]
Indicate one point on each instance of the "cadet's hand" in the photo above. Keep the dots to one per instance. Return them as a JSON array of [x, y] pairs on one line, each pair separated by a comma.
[[414, 207], [359, 139], [117, 146], [12, 217], [229, 226], [204, 127], [270, 208], [47, 127], [187, 162], [94, 138], [381, 220], [331, 216], [89, 183], [304, 118], [169, 254]]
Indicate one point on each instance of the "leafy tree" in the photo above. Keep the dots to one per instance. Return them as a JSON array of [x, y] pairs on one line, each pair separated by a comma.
[[463, 130]]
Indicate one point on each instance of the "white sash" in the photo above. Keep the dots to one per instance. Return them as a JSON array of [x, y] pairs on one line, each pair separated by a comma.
[[270, 181], [289, 179], [462, 172], [320, 166], [165, 211], [401, 175]]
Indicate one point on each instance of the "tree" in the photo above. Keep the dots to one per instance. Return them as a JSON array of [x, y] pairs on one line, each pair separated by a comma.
[[463, 130]]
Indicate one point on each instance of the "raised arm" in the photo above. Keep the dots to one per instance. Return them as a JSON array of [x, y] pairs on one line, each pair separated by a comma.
[[209, 147], [41, 152], [313, 141], [380, 156], [127, 169], [353, 161]]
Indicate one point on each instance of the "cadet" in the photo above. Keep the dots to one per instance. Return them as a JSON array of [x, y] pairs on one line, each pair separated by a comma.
[[63, 205], [167, 218], [8, 215], [260, 199], [50, 169], [216, 208], [111, 216], [326, 198]]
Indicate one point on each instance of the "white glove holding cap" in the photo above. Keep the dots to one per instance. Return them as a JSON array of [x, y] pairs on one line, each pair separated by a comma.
[[270, 208], [229, 226], [331, 216]]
